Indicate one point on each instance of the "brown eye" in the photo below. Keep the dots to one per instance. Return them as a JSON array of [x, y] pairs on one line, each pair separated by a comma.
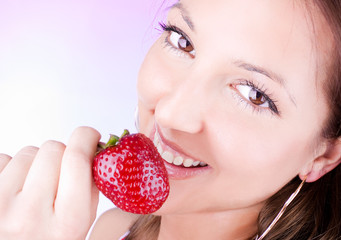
[[256, 97], [253, 95], [180, 42], [185, 45]]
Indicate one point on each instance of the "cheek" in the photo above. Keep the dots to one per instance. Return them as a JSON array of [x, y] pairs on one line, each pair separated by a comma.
[[153, 83], [154, 78], [261, 162]]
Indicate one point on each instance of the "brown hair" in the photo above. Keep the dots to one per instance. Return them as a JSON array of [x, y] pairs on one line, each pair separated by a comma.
[[316, 211]]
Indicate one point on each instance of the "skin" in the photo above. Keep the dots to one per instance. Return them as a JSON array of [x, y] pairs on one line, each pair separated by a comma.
[[199, 104], [194, 101], [48, 192]]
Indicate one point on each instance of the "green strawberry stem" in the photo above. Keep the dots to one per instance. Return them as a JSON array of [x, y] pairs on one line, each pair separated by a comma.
[[125, 133], [113, 140]]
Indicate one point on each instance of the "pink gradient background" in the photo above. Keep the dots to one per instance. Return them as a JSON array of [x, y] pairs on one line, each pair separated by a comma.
[[69, 63]]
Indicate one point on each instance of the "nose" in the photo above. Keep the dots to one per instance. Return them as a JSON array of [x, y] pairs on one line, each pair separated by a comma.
[[182, 108]]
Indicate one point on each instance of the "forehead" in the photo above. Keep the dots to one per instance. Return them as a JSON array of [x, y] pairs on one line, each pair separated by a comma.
[[260, 13], [268, 32]]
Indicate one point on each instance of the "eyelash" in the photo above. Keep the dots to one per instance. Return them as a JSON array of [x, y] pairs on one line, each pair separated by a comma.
[[264, 92], [261, 89], [172, 28]]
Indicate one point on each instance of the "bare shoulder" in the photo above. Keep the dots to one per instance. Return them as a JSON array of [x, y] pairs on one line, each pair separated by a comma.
[[112, 224]]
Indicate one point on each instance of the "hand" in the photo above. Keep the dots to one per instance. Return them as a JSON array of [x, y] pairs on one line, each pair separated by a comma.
[[48, 193]]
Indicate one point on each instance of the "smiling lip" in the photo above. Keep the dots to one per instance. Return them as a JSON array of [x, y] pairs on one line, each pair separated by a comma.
[[179, 173], [184, 166]]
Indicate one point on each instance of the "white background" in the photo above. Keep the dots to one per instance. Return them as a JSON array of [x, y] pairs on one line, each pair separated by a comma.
[[70, 63]]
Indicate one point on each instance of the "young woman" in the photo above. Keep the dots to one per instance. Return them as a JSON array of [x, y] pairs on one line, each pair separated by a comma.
[[243, 100]]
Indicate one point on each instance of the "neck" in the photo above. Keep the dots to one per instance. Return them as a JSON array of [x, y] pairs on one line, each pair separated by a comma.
[[232, 224]]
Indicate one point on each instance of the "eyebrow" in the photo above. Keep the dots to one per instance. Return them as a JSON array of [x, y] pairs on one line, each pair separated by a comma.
[[241, 64], [184, 14], [253, 68]]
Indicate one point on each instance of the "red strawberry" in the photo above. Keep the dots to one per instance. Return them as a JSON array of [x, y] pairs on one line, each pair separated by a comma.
[[130, 172]]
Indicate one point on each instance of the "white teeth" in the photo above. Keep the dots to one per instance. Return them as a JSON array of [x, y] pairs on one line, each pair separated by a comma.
[[196, 163], [168, 156], [156, 141], [159, 148], [178, 160], [188, 162], [203, 164]]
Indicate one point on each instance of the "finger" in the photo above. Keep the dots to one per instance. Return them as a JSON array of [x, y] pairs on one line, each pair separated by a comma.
[[13, 176], [4, 160], [75, 190], [42, 180]]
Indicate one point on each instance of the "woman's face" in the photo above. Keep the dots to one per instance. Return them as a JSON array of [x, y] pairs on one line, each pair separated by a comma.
[[235, 86]]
